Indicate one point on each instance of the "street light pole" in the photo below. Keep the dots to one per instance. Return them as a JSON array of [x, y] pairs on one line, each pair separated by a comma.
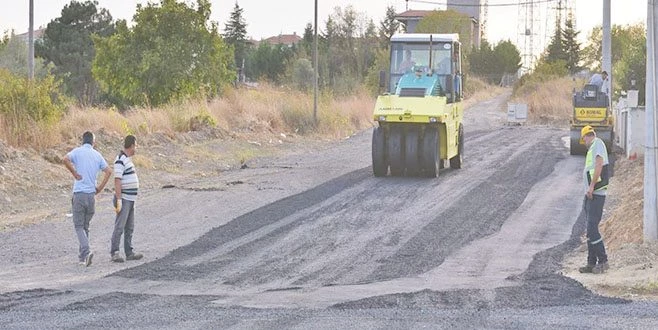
[[607, 48], [651, 140], [315, 64], [30, 55]]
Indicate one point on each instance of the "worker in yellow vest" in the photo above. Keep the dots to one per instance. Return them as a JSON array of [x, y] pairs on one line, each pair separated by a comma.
[[596, 177]]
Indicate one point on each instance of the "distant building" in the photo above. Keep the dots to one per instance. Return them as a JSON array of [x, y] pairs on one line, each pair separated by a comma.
[[410, 18], [283, 39], [38, 35], [471, 8]]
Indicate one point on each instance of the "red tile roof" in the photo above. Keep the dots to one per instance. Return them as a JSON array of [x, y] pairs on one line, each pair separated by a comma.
[[283, 39], [414, 13], [38, 33]]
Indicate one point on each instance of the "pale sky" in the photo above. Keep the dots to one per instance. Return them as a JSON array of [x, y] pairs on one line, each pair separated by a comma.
[[267, 18]]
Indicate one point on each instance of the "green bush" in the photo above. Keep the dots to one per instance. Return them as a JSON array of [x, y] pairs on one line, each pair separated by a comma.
[[201, 120], [302, 74], [382, 62], [22, 100], [172, 52]]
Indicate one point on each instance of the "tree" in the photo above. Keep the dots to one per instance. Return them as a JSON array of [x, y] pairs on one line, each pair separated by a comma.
[[571, 46], [308, 39], [348, 46], [302, 74], [624, 38], [381, 62], [269, 62], [494, 63], [67, 43], [481, 60], [592, 52], [13, 58], [235, 34], [388, 26], [628, 55], [171, 52], [556, 48], [507, 58], [632, 58], [448, 21], [5, 40]]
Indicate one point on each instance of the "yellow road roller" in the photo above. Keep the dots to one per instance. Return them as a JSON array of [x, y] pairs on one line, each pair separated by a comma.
[[591, 107]]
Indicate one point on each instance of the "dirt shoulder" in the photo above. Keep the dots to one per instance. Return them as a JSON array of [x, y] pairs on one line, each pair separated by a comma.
[[36, 187]]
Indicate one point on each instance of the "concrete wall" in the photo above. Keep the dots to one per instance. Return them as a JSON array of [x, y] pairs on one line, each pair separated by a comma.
[[630, 129], [636, 132], [411, 25]]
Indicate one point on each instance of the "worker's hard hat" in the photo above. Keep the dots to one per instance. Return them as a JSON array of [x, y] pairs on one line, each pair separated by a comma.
[[584, 131]]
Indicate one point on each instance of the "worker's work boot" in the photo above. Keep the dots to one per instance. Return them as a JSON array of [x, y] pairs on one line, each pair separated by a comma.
[[587, 269], [600, 268], [134, 256]]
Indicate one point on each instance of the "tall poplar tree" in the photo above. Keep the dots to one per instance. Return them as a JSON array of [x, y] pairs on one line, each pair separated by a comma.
[[235, 34], [571, 46], [388, 26]]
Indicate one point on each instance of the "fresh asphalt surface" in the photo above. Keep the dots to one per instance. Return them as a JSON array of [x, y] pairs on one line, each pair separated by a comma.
[[315, 241]]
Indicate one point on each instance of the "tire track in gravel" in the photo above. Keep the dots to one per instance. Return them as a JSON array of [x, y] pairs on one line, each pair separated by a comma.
[[480, 214], [358, 229]]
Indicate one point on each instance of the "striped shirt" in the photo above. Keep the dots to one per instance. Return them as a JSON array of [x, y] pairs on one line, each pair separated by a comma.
[[124, 169]]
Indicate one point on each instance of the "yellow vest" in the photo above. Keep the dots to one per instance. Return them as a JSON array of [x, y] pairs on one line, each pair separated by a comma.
[[602, 182]]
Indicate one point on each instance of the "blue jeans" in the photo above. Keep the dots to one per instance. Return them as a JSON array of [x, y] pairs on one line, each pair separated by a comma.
[[83, 207], [593, 212], [124, 224]]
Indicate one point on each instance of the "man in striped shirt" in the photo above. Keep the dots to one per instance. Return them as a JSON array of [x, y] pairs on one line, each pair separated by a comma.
[[126, 185]]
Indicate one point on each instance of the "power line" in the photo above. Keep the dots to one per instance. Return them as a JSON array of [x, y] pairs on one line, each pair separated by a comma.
[[481, 5]]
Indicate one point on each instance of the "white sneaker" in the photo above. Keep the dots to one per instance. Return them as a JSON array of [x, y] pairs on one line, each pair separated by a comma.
[[87, 261], [116, 257]]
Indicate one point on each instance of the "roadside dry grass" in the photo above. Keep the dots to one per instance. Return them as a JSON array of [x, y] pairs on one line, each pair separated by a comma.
[[477, 90], [263, 110], [549, 102]]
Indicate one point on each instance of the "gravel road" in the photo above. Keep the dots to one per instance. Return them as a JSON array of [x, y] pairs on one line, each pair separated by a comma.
[[314, 240]]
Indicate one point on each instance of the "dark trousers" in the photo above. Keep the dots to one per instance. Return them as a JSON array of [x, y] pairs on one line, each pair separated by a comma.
[[593, 212]]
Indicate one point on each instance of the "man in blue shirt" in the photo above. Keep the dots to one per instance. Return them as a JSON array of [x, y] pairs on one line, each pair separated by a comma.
[[84, 163], [598, 80]]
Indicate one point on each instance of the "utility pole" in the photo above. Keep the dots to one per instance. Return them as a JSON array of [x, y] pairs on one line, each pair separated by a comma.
[[651, 140], [30, 55], [607, 49], [315, 64]]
